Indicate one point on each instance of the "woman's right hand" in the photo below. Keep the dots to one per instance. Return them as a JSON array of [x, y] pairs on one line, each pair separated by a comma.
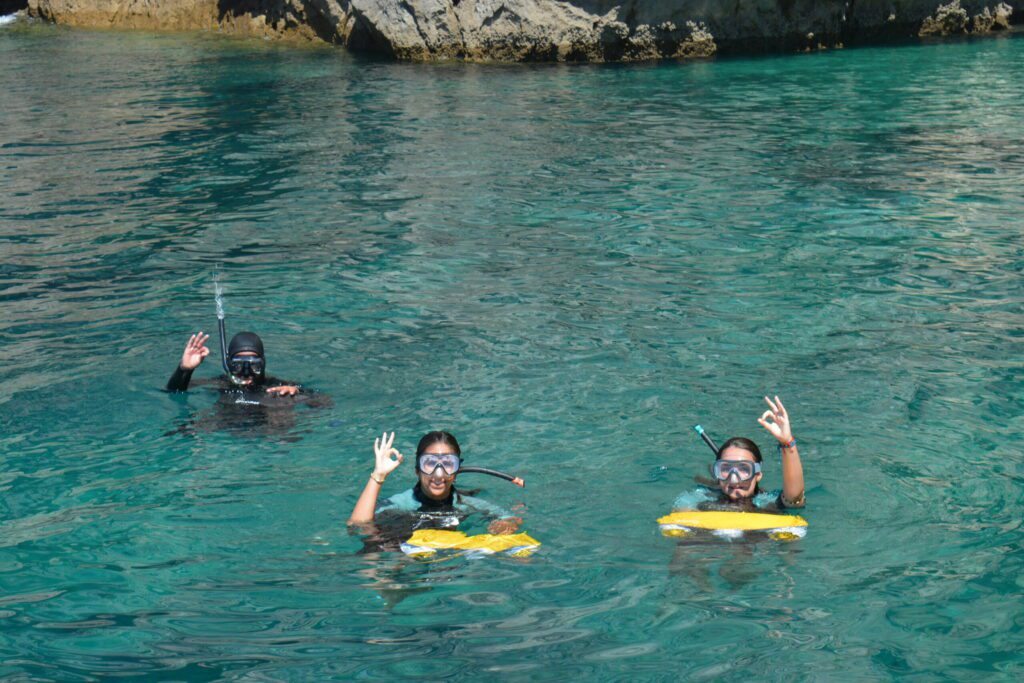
[[195, 351], [388, 458]]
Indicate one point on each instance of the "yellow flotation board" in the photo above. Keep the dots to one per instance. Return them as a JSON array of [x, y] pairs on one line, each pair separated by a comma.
[[733, 524], [426, 542]]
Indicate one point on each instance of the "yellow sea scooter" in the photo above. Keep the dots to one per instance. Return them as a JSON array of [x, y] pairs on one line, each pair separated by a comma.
[[427, 542]]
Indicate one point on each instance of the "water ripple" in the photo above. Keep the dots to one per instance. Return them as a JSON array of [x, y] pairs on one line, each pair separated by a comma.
[[568, 267]]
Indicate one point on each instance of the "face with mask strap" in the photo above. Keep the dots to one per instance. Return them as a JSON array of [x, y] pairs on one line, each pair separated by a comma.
[[246, 374], [438, 483], [246, 363], [733, 486]]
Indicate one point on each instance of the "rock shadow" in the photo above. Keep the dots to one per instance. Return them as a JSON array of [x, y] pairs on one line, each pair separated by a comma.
[[12, 6]]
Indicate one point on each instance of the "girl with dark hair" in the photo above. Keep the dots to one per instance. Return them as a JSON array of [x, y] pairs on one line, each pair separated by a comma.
[[438, 458], [737, 471]]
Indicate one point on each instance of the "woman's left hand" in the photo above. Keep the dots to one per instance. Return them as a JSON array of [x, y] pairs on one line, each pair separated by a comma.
[[284, 390], [508, 525], [779, 425]]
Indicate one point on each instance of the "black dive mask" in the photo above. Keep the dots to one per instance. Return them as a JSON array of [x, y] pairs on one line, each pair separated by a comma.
[[246, 366]]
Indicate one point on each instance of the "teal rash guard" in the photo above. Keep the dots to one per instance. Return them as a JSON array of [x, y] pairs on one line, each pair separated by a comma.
[[448, 511], [704, 498], [400, 515]]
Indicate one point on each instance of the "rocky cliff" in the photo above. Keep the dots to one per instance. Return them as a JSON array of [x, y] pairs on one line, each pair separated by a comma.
[[562, 30]]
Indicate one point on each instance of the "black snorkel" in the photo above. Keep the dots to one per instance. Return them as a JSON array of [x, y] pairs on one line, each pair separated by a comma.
[[494, 473], [707, 439], [223, 346], [219, 299]]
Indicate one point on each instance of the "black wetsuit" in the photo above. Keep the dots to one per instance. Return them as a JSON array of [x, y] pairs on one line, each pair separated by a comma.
[[246, 408], [181, 378], [725, 504]]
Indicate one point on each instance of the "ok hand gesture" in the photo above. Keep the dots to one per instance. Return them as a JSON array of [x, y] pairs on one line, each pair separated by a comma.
[[779, 421], [195, 351], [388, 458]]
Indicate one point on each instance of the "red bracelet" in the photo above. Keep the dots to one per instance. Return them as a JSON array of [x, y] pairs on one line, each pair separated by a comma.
[[790, 444]]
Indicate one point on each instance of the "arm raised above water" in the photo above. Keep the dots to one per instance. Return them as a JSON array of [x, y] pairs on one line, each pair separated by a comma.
[[387, 459], [193, 356], [792, 470]]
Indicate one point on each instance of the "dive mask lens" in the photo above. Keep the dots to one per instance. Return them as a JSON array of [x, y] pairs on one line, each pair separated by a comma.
[[449, 462], [744, 469], [244, 366]]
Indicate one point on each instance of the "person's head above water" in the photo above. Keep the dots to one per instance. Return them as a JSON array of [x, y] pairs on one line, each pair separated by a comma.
[[737, 468], [246, 361], [438, 458]]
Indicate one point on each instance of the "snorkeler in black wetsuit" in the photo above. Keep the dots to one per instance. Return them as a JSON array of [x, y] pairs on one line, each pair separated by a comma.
[[249, 398], [245, 363]]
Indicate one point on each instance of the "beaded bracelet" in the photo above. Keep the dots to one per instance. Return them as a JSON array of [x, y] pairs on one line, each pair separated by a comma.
[[788, 445]]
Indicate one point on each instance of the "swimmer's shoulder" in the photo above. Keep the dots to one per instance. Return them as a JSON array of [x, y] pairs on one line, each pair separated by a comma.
[[401, 502], [692, 500], [773, 501]]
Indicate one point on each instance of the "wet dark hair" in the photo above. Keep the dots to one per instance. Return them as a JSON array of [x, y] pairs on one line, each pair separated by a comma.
[[741, 442], [430, 438]]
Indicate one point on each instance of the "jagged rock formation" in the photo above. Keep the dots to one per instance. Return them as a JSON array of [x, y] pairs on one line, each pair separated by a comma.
[[952, 19], [244, 18], [948, 19], [563, 30], [997, 20]]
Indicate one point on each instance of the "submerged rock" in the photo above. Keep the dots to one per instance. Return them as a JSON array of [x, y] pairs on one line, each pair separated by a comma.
[[548, 30]]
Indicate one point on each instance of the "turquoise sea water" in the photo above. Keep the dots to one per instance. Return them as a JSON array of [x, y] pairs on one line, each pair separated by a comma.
[[567, 267]]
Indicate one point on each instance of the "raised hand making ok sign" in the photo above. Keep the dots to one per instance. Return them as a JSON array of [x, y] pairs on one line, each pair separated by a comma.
[[778, 425], [195, 351], [388, 458]]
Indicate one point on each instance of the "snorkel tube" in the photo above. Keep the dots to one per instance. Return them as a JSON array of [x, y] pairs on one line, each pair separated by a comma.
[[219, 299], [707, 439], [223, 346], [494, 473]]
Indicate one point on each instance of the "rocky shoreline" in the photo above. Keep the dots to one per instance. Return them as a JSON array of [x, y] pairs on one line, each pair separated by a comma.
[[545, 30]]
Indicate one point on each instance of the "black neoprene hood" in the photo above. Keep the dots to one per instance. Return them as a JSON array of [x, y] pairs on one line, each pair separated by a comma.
[[246, 341]]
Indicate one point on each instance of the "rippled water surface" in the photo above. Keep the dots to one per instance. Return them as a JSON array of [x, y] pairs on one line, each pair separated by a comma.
[[567, 267]]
